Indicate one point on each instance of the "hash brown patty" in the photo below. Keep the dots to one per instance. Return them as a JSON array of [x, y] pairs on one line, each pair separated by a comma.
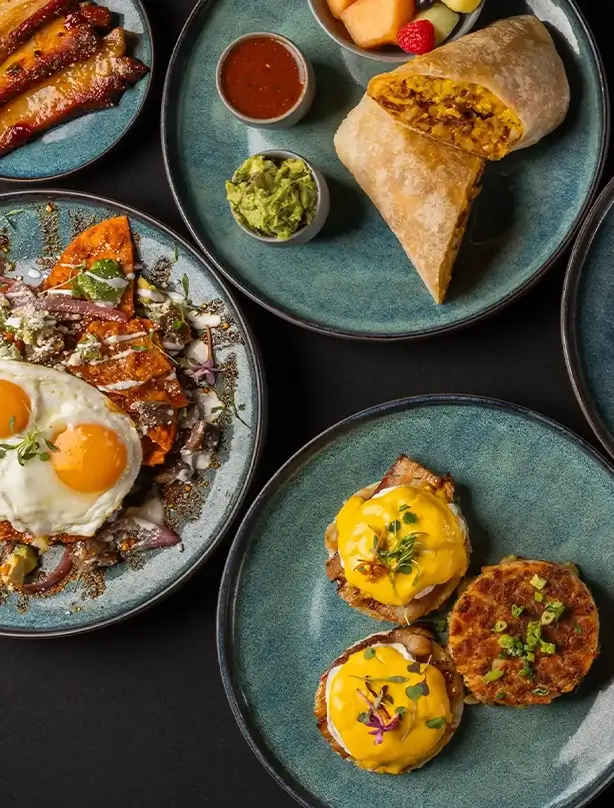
[[486, 619]]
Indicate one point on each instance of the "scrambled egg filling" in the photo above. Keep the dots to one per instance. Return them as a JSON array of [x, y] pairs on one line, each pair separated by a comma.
[[463, 115], [388, 711], [400, 543]]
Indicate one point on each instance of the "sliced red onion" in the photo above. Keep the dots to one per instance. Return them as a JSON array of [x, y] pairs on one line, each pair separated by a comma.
[[149, 536], [73, 305], [154, 537], [21, 294], [52, 579]]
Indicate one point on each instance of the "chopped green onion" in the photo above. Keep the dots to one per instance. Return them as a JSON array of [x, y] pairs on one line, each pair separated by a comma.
[[500, 626], [537, 582], [500, 695], [556, 608], [517, 610], [541, 691], [547, 618], [369, 653], [548, 648], [578, 629], [505, 641], [539, 597], [493, 675], [435, 723], [530, 656]]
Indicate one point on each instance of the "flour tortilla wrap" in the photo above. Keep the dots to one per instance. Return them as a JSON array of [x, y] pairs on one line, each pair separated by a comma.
[[496, 90], [423, 189]]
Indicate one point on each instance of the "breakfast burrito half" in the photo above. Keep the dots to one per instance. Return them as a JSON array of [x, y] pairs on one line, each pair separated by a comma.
[[423, 189], [489, 93]]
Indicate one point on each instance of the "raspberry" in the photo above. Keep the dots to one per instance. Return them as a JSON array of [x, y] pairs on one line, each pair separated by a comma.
[[417, 36]]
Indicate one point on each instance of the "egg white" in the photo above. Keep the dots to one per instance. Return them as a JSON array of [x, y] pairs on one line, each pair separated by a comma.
[[32, 497]]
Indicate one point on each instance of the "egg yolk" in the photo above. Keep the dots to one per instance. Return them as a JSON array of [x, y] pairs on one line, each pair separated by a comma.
[[415, 691], [90, 458], [15, 409], [399, 543]]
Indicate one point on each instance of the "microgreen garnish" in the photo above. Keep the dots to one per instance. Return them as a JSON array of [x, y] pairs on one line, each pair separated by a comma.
[[500, 695], [34, 444], [414, 692], [140, 348], [185, 285], [175, 254], [369, 653], [400, 710], [395, 680], [409, 518], [493, 675], [414, 667], [500, 626], [435, 723], [403, 508], [517, 610], [397, 560], [377, 716], [537, 582], [541, 691]]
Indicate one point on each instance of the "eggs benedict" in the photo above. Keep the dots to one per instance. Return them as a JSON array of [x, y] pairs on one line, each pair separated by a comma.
[[524, 632], [391, 702], [399, 548]]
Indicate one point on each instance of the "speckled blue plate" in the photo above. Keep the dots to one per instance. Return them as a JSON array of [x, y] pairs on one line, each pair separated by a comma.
[[354, 279], [78, 143], [527, 487], [588, 318], [32, 230]]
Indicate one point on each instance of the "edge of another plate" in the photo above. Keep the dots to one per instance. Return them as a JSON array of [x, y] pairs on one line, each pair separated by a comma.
[[261, 395], [148, 33], [232, 569], [228, 272], [569, 306]]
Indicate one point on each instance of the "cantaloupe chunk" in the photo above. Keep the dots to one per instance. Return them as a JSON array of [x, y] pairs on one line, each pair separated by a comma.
[[337, 7], [372, 23]]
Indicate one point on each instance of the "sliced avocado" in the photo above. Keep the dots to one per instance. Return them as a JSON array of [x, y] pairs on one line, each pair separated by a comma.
[[22, 561]]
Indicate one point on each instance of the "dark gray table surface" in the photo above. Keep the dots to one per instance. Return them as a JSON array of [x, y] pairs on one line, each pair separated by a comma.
[[135, 715]]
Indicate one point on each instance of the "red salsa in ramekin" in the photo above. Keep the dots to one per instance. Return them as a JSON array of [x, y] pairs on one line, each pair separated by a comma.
[[262, 77]]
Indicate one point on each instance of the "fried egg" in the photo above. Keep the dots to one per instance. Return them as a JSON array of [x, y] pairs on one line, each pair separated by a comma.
[[69, 456]]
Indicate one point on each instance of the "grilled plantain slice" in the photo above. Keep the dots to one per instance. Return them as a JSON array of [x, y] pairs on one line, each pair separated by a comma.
[[90, 85]]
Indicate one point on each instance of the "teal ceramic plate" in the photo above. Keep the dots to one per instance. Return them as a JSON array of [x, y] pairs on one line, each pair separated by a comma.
[[78, 143], [527, 487], [587, 321], [354, 279], [30, 230]]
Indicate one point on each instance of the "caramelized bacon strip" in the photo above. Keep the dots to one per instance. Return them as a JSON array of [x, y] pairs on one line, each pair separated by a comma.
[[62, 42], [19, 19], [94, 84]]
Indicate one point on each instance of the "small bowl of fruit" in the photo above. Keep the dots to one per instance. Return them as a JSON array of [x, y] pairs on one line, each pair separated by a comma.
[[395, 30]]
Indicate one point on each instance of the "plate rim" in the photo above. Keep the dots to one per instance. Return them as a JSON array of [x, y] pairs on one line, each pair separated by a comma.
[[260, 427], [226, 608], [568, 317], [148, 32], [204, 6]]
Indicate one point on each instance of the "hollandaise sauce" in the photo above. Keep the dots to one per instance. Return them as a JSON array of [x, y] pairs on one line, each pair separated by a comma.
[[401, 543], [387, 710]]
